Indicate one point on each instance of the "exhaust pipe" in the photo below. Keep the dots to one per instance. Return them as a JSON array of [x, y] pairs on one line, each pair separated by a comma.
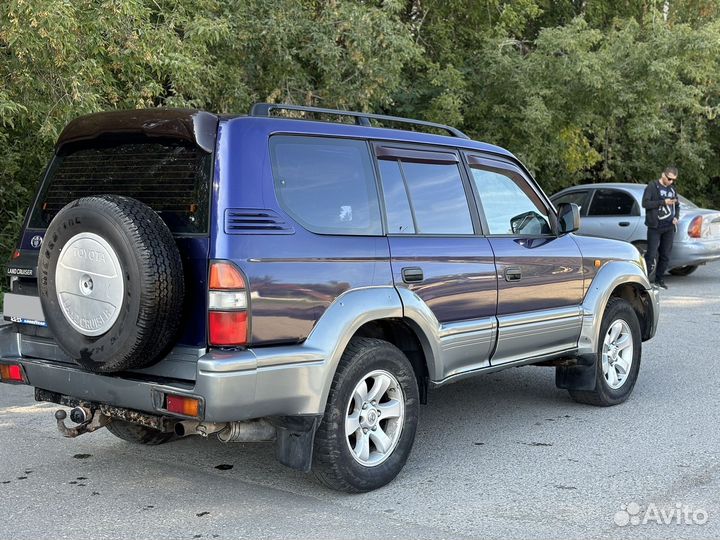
[[250, 431], [189, 427]]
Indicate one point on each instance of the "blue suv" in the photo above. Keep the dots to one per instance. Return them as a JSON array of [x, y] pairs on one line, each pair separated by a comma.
[[277, 277]]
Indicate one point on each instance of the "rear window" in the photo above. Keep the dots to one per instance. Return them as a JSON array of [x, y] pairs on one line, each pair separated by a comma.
[[326, 185], [173, 180]]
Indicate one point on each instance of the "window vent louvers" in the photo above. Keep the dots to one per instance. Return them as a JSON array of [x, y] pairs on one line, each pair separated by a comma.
[[255, 221]]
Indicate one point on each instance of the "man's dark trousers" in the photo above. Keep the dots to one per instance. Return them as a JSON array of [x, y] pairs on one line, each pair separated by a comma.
[[660, 243]]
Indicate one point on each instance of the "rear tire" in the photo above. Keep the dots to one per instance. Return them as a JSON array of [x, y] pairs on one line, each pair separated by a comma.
[[683, 270], [370, 419], [137, 434], [618, 356]]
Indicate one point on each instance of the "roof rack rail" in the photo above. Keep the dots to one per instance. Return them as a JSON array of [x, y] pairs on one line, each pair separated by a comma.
[[361, 119]]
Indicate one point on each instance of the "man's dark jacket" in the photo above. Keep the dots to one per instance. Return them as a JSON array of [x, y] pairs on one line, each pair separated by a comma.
[[651, 201]]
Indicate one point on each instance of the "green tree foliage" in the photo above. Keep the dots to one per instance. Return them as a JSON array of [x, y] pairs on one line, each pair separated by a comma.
[[581, 90]]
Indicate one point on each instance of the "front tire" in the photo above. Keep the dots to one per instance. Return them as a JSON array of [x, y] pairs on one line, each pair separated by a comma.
[[370, 419], [683, 270], [618, 356]]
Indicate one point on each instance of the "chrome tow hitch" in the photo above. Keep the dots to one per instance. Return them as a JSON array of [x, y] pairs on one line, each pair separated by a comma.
[[87, 421]]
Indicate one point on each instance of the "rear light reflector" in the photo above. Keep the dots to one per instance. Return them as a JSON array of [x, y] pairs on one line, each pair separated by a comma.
[[228, 328], [16, 254], [695, 227], [224, 275], [12, 373], [227, 300], [227, 306], [187, 406]]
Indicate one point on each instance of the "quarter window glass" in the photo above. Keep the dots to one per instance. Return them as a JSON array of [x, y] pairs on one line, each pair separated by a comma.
[[576, 197], [326, 185], [437, 198], [610, 202], [397, 206], [508, 209]]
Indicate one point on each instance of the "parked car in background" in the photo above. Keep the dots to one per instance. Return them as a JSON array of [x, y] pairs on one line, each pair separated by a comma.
[[613, 210]]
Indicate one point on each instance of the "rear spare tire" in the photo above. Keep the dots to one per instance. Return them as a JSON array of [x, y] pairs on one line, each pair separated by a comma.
[[111, 283]]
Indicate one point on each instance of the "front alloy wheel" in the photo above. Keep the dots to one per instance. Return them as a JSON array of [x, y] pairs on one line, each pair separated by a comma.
[[617, 354]]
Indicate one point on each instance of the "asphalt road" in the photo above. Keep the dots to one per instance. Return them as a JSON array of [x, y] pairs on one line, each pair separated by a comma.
[[502, 456]]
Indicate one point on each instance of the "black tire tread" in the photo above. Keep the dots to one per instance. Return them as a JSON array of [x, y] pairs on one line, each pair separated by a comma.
[[327, 467], [137, 434], [683, 270], [595, 397]]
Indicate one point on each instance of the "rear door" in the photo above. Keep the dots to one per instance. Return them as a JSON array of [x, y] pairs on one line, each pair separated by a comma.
[[442, 266], [540, 280], [612, 213]]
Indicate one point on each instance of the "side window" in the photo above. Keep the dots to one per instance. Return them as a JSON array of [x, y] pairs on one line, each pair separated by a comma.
[[611, 202], [424, 198], [509, 205], [397, 204], [327, 185], [576, 197]]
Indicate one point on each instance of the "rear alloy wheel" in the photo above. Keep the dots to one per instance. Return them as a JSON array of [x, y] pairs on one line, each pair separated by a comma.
[[374, 418], [370, 419], [683, 270], [618, 357]]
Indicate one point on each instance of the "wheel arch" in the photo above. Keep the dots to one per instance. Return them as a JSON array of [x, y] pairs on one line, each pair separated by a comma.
[[622, 279], [369, 312]]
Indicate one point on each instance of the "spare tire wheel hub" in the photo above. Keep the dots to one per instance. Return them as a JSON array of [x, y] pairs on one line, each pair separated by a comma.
[[89, 284]]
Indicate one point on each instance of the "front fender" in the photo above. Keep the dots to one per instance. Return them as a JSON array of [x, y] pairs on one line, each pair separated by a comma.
[[612, 275]]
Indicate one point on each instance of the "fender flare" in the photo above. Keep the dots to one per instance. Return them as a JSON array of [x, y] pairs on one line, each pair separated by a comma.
[[357, 307], [612, 275]]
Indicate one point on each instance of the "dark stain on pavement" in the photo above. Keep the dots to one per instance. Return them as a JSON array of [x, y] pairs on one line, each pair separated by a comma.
[[82, 456], [201, 514], [223, 467]]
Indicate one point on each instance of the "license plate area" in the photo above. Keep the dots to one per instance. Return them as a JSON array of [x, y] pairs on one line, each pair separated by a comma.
[[23, 309]]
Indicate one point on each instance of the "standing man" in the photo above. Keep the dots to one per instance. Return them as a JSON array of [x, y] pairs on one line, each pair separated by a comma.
[[661, 217]]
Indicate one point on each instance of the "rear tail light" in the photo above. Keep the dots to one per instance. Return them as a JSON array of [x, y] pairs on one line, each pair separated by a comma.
[[12, 373], [695, 228], [227, 305]]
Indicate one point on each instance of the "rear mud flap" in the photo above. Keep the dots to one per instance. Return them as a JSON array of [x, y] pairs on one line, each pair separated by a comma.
[[295, 440], [582, 376]]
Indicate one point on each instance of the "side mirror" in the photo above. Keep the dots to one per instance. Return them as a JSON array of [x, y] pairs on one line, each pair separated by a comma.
[[568, 217]]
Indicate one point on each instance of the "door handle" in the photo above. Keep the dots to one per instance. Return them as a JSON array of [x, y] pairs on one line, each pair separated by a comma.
[[412, 274], [624, 223], [513, 273]]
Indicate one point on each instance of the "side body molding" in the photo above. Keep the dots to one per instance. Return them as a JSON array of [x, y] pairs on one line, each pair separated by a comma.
[[450, 348], [608, 278]]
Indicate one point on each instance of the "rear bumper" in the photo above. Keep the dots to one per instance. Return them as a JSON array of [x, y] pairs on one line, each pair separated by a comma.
[[233, 385], [692, 253]]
